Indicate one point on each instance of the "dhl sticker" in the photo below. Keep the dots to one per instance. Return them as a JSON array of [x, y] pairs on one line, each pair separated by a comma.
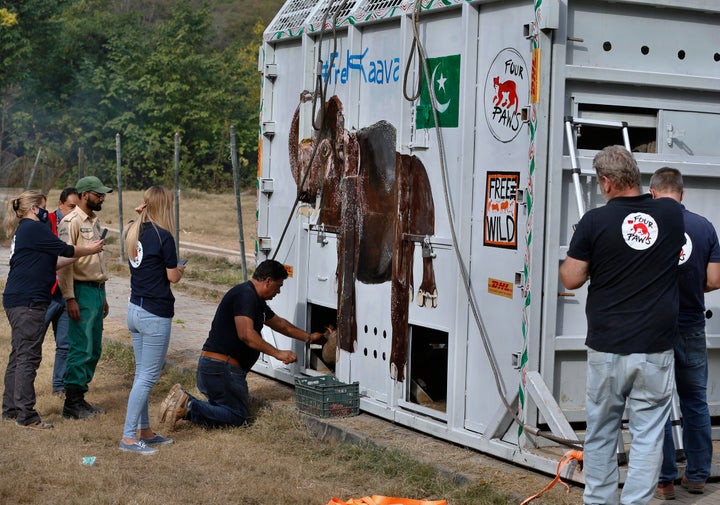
[[500, 288]]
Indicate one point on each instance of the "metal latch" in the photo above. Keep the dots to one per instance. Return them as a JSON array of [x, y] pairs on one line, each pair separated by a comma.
[[267, 186], [321, 238], [264, 244], [520, 281], [427, 250]]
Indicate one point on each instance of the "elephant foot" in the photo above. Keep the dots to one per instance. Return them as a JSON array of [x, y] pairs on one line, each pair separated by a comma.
[[426, 299]]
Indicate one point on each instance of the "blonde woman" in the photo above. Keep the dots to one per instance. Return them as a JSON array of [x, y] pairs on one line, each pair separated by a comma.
[[36, 253], [153, 266]]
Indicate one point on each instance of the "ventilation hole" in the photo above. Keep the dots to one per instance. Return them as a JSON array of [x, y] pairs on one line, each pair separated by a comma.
[[365, 352], [365, 328], [645, 50], [384, 357], [716, 57], [708, 314], [681, 54], [384, 334], [607, 46], [374, 331], [375, 354]]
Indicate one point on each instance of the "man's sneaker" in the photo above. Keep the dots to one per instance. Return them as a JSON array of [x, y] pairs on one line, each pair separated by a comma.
[[138, 447], [157, 439], [176, 404], [37, 425], [665, 491], [168, 400], [693, 487]]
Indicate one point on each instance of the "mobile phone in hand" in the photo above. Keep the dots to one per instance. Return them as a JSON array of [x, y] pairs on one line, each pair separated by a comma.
[[104, 232], [182, 263]]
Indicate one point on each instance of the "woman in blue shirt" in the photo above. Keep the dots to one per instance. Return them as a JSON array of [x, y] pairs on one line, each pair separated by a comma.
[[153, 266], [35, 254]]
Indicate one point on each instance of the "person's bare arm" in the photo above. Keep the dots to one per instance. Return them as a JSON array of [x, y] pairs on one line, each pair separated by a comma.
[[712, 281], [574, 272], [247, 334], [175, 274]]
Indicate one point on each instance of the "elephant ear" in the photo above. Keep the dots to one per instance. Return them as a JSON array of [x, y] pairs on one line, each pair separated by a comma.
[[294, 146], [333, 126]]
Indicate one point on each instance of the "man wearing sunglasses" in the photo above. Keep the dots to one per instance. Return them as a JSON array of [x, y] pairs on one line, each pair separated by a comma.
[[83, 285]]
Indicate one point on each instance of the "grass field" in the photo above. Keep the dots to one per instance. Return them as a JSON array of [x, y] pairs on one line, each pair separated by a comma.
[[277, 459]]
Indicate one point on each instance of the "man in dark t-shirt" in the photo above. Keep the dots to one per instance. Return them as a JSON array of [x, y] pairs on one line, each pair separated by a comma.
[[629, 251], [699, 273], [233, 346]]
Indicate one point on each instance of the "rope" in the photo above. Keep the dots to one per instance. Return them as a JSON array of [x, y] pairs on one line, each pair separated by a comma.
[[318, 121], [562, 463]]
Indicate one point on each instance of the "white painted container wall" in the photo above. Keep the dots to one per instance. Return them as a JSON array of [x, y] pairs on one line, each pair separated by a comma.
[[653, 64]]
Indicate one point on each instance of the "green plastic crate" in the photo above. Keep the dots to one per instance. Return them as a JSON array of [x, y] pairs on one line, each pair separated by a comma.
[[326, 396]]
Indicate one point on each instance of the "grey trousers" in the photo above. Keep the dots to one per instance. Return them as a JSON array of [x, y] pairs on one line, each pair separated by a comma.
[[28, 332]]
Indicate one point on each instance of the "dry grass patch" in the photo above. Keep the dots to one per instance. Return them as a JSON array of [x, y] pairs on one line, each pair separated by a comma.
[[274, 460]]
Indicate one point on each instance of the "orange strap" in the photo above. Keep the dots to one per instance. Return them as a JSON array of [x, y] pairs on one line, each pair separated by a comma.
[[384, 500], [567, 458]]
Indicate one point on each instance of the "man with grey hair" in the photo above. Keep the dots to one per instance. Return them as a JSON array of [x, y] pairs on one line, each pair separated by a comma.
[[629, 251], [699, 273]]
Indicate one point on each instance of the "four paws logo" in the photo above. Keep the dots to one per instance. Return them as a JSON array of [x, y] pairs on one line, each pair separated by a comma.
[[639, 230]]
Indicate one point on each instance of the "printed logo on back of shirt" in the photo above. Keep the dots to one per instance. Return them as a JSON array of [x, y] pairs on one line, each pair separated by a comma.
[[135, 262], [686, 250], [639, 230]]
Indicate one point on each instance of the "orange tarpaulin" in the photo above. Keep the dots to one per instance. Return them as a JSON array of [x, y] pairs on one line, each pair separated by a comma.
[[385, 500]]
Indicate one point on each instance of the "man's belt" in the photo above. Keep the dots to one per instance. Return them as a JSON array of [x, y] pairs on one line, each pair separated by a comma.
[[220, 357], [98, 285]]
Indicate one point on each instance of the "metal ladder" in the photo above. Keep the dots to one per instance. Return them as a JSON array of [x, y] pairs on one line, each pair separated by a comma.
[[572, 124]]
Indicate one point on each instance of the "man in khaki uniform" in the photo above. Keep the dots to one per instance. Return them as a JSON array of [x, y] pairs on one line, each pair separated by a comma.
[[83, 285]]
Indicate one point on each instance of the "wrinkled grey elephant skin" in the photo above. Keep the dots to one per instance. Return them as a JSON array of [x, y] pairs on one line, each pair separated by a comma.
[[376, 200]]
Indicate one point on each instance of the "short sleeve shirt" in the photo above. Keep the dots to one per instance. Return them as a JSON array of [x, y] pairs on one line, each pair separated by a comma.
[[33, 262], [701, 247], [149, 285], [632, 245], [241, 300]]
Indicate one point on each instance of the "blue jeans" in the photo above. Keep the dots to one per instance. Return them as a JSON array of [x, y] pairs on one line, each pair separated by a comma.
[[226, 389], [57, 316], [645, 382], [150, 337], [691, 377]]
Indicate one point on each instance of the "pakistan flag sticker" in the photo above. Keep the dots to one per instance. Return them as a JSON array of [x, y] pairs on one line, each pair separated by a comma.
[[445, 81]]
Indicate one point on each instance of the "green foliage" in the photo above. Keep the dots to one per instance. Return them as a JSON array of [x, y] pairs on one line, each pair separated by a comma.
[[76, 73]]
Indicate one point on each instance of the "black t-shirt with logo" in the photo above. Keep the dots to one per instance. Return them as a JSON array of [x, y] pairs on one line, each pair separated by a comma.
[[149, 284], [632, 245], [241, 300], [33, 260]]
